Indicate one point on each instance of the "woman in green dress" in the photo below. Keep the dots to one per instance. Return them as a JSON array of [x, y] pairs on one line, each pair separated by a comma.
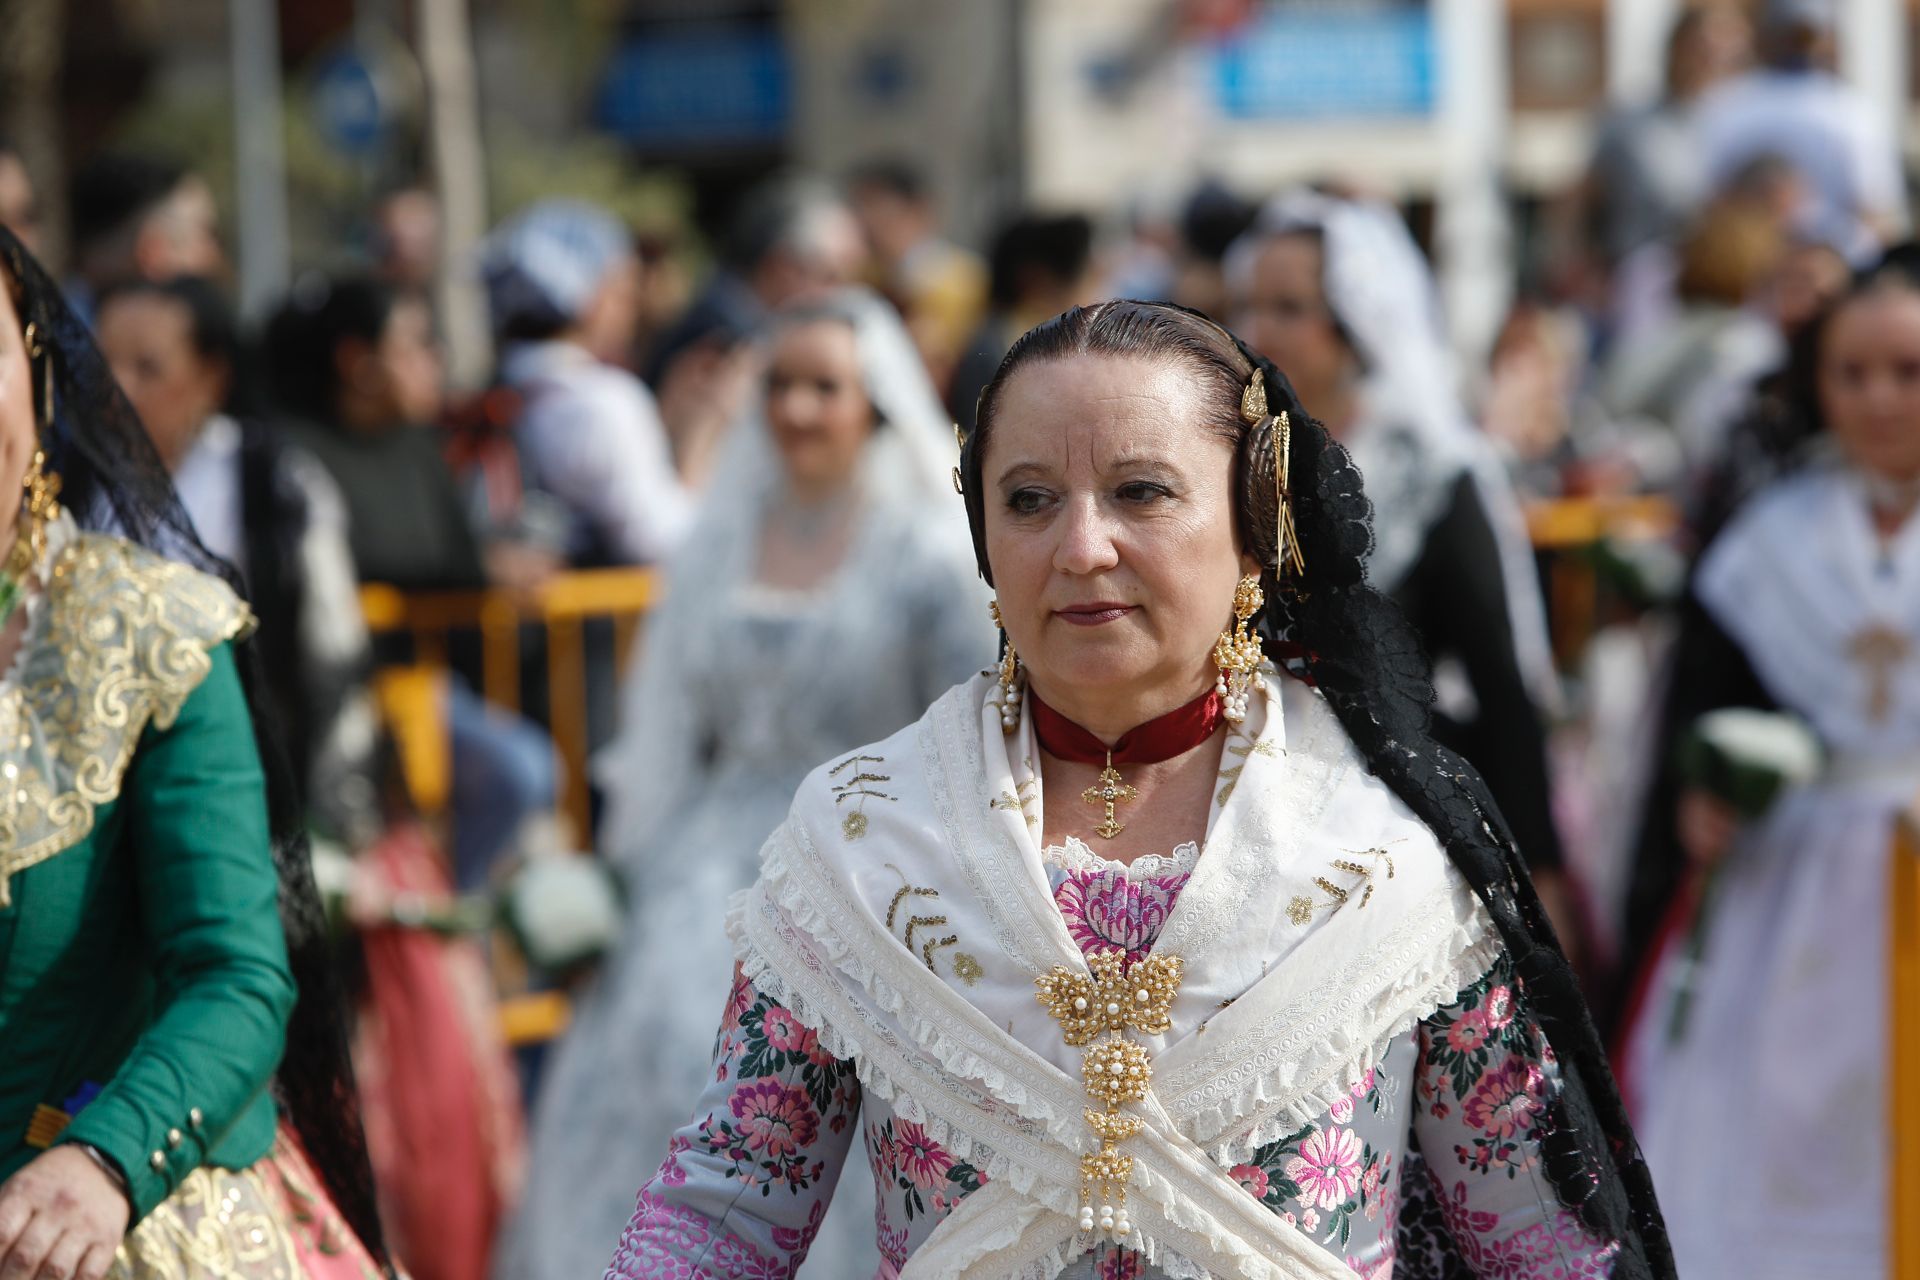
[[161, 944]]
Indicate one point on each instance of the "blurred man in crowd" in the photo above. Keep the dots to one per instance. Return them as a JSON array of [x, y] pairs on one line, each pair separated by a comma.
[[563, 284], [791, 240], [940, 288], [138, 216], [1040, 267], [406, 239], [1794, 106]]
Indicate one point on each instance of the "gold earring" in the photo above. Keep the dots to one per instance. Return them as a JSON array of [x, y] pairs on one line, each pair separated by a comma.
[[37, 354], [1237, 652], [1253, 410], [1286, 541], [1012, 678]]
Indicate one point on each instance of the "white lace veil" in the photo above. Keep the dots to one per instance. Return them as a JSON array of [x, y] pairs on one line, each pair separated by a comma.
[[1380, 288], [907, 466]]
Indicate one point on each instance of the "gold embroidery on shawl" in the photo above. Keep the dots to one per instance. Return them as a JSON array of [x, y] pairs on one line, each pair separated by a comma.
[[963, 964], [1238, 745], [1300, 908], [125, 640], [857, 787], [1020, 800]]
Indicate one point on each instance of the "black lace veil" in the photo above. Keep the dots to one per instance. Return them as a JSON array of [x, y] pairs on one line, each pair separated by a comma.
[[1366, 659], [112, 479]]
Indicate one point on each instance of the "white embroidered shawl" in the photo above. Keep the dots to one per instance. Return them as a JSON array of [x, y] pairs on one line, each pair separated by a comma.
[[1799, 579], [903, 912]]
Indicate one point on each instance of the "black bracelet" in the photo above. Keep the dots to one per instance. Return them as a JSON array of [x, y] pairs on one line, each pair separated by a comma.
[[108, 1166]]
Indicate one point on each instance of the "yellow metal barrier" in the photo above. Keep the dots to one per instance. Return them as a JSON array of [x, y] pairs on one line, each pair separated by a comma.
[[562, 607], [1563, 525], [1903, 1046]]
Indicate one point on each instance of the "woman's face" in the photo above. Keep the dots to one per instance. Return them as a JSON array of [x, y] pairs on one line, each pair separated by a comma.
[[1870, 381], [398, 379], [19, 426], [817, 405], [1110, 530], [148, 341], [1282, 312]]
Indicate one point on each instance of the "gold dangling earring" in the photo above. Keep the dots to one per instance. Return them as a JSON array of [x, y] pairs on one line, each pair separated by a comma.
[[1237, 652], [40, 488], [1012, 678]]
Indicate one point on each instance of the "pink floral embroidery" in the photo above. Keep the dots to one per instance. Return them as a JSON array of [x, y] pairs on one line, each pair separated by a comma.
[[739, 999], [738, 1260], [658, 1230], [1363, 1086], [920, 1157], [1462, 1219], [671, 1173], [785, 1033], [1253, 1178], [1499, 1007], [1379, 1269], [1106, 911], [1507, 1099], [1469, 1033], [1121, 1264], [776, 1119], [1327, 1169], [893, 1245], [1558, 1249], [1310, 1220], [797, 1240], [1341, 1112]]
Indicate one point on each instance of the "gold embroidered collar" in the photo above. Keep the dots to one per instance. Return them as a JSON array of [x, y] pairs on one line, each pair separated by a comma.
[[120, 640]]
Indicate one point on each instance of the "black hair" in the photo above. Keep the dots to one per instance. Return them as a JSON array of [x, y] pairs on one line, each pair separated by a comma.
[[114, 191], [1354, 645], [212, 329], [770, 218], [112, 479], [1213, 218], [1053, 247], [303, 338]]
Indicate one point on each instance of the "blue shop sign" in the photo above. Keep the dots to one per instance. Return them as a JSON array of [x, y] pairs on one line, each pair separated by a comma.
[[1300, 61], [698, 87]]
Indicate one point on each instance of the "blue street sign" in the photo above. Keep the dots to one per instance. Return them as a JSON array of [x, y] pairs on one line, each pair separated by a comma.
[[1313, 61]]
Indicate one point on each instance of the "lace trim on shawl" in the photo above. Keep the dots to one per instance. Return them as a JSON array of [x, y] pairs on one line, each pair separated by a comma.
[[1288, 1070], [1075, 857]]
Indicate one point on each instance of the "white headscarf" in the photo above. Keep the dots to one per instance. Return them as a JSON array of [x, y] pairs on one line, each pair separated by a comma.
[[1416, 439], [907, 469]]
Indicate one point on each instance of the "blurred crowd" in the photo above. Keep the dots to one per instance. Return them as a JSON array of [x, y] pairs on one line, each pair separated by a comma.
[[775, 436]]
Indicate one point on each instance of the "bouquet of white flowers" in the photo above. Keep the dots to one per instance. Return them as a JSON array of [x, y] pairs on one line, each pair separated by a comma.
[[1747, 757], [563, 909]]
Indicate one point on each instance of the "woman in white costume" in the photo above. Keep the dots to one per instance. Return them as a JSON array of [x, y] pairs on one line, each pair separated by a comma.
[[1808, 601], [825, 598], [1336, 291], [1142, 956]]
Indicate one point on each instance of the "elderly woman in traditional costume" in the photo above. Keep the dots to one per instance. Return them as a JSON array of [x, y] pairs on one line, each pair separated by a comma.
[[1175, 946]]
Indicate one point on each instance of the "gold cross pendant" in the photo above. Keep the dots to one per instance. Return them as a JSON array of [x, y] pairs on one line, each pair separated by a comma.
[[1881, 650], [1110, 791]]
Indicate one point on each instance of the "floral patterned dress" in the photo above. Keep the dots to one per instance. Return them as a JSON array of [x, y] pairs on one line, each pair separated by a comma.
[[1434, 1153]]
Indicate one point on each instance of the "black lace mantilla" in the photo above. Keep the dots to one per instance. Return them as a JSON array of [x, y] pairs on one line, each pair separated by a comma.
[[1367, 661]]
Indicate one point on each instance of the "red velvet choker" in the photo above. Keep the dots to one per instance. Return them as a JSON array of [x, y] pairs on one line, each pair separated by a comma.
[[1162, 738]]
